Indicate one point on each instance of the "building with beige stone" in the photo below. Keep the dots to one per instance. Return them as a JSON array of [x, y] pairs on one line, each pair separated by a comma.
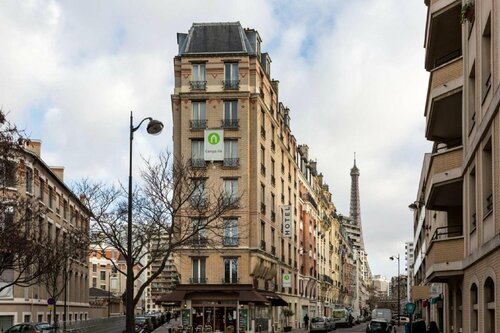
[[64, 211], [456, 212], [283, 249]]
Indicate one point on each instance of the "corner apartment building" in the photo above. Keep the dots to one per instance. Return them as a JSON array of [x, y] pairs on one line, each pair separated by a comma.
[[33, 177], [287, 257], [456, 212]]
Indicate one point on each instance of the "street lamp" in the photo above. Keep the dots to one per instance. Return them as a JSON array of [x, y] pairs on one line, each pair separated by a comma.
[[154, 127], [399, 305]]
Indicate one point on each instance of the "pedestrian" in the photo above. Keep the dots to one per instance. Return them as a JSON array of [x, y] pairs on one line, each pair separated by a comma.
[[169, 315], [433, 328], [306, 321]]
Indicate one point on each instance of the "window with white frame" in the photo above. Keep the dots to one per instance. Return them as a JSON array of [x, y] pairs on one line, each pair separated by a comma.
[[230, 270], [231, 232], [197, 153], [199, 231], [199, 119], [199, 195], [230, 113], [231, 191], [198, 72], [199, 270], [231, 72], [231, 152]]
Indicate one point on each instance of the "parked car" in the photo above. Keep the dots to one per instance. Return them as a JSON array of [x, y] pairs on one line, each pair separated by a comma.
[[378, 325], [402, 320], [321, 324], [31, 328]]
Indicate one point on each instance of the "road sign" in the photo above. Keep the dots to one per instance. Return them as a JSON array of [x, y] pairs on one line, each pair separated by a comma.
[[50, 307], [51, 301], [410, 308]]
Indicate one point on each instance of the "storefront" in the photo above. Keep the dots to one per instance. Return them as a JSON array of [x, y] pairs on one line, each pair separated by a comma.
[[223, 308]]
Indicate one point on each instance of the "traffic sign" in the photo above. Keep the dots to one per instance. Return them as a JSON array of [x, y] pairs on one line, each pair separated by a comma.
[[410, 308], [51, 301]]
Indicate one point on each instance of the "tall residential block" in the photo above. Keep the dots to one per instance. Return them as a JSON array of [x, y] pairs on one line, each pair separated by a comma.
[[456, 212]]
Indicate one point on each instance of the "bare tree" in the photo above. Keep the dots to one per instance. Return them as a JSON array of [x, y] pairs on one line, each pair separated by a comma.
[[21, 256], [173, 207]]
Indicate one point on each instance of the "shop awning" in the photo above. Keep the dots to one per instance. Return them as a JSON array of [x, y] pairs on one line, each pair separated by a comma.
[[273, 298], [175, 296], [250, 296]]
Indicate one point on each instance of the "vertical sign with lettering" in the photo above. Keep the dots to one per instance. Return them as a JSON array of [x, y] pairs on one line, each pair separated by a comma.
[[286, 213]]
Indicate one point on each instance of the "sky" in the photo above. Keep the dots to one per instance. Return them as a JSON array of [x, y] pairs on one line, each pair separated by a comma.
[[351, 72]]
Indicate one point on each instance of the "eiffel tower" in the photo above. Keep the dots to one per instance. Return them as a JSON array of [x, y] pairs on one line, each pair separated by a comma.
[[355, 209]]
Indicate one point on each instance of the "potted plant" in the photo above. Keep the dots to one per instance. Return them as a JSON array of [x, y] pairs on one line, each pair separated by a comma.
[[467, 12], [287, 313]]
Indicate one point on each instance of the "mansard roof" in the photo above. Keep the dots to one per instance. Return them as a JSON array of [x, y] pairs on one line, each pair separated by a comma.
[[222, 37]]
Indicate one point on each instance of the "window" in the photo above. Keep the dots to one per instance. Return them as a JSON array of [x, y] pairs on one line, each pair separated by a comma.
[[231, 76], [199, 232], [7, 216], [103, 275], [94, 268], [231, 191], [262, 160], [199, 196], [487, 176], [51, 204], [197, 153], [94, 282], [199, 273], [7, 173], [65, 209], [262, 199], [199, 120], [489, 305], [231, 153], [230, 270], [231, 232], [230, 114], [198, 76], [486, 58], [472, 200], [29, 180], [472, 97], [263, 235], [474, 308]]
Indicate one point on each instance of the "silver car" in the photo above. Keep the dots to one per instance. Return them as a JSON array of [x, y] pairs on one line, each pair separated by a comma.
[[321, 324]]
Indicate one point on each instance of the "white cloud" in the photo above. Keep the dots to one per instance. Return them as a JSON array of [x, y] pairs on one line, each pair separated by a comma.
[[351, 73]]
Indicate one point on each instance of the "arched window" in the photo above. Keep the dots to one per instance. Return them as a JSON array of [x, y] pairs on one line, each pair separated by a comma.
[[473, 309], [489, 306]]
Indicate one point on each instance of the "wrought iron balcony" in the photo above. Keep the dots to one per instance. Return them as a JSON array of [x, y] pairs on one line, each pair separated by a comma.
[[198, 85], [231, 162], [198, 163], [327, 279], [263, 245], [230, 123], [262, 208], [447, 232], [196, 280], [230, 201], [230, 280], [198, 124], [273, 250], [198, 201], [231, 84], [230, 241]]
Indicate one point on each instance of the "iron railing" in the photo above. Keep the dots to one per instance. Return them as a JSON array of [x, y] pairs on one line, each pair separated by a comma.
[[447, 232], [231, 162], [198, 280], [230, 123], [231, 84], [447, 57], [198, 85], [198, 124], [230, 241]]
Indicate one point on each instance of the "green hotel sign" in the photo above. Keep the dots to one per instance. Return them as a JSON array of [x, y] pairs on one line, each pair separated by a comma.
[[214, 145]]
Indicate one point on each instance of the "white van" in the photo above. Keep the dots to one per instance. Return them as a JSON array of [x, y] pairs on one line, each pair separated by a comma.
[[341, 317]]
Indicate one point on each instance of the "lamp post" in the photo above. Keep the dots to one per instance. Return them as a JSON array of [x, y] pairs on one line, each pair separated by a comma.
[[154, 127], [399, 305]]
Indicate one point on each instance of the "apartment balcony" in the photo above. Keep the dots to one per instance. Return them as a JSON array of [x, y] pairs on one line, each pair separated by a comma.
[[230, 241], [445, 254], [445, 180], [444, 33], [230, 124], [231, 162], [198, 280], [444, 103], [230, 281], [231, 84], [197, 242], [198, 85], [198, 163], [198, 124]]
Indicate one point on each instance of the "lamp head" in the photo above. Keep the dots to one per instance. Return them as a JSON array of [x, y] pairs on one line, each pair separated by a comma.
[[391, 257], [154, 127]]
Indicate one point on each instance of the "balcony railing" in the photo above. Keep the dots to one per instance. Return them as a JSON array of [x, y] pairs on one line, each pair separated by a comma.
[[231, 162], [263, 245], [262, 208], [448, 57], [198, 280], [327, 279], [489, 204], [273, 180], [231, 84], [231, 202], [273, 250], [263, 169], [447, 232], [197, 201], [198, 85], [198, 124], [230, 123], [230, 280], [198, 163], [230, 241], [263, 132], [273, 216]]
